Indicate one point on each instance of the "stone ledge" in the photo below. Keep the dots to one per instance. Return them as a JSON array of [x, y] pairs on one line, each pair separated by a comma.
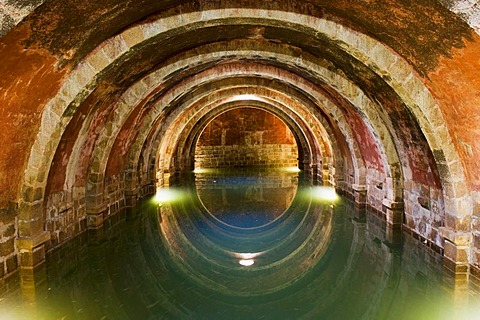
[[392, 204], [359, 187], [29, 243], [458, 238]]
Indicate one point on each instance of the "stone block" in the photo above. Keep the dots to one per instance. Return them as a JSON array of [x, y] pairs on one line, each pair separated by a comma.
[[458, 223], [409, 221], [394, 217], [98, 60], [457, 254], [9, 231], [31, 227], [476, 240], [7, 214], [95, 221], [11, 264], [7, 247], [456, 237], [476, 258], [32, 258], [29, 243]]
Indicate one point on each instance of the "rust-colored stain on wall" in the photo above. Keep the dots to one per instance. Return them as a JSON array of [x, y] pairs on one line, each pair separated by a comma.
[[245, 126], [29, 78], [455, 83]]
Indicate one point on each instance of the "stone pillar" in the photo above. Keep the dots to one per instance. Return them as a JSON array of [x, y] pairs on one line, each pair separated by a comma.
[[306, 167], [32, 249], [360, 195], [95, 206], [393, 212], [32, 237], [316, 175], [456, 250]]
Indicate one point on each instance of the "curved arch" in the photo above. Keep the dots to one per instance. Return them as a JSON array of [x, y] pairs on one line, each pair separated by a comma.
[[358, 45], [319, 100], [313, 109], [393, 70], [309, 150]]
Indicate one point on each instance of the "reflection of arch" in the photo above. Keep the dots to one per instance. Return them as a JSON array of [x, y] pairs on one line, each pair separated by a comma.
[[302, 232], [203, 206]]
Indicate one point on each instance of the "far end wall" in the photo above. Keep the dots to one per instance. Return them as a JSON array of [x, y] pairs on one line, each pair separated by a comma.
[[246, 137]]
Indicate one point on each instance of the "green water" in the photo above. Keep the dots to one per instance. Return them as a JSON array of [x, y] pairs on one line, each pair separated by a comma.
[[241, 246]]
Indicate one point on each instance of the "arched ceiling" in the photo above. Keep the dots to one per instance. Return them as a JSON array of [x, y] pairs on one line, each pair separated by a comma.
[[87, 84]]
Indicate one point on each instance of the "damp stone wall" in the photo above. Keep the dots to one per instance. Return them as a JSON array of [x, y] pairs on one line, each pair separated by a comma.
[[246, 137]]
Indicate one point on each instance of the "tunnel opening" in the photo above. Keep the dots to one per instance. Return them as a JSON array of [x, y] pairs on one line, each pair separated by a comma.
[[246, 137]]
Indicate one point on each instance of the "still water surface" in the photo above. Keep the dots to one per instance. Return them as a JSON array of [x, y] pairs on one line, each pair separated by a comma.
[[241, 245]]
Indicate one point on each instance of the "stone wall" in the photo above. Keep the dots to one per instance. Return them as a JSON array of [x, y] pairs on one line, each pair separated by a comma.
[[424, 211], [8, 233], [69, 214], [246, 137], [272, 155]]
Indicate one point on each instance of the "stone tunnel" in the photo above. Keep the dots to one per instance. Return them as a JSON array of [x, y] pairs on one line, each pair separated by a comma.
[[103, 102]]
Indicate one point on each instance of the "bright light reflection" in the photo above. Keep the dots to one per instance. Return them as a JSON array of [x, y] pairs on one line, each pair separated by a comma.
[[165, 195], [324, 193], [9, 315], [292, 169], [248, 256], [246, 263], [247, 97], [246, 259], [201, 170]]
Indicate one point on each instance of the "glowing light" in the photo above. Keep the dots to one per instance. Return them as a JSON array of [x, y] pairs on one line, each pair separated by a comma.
[[246, 259], [201, 170], [164, 195], [246, 263], [247, 97], [248, 256], [325, 194], [292, 169]]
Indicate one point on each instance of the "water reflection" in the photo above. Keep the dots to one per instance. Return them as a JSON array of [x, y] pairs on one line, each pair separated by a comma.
[[179, 260], [240, 199]]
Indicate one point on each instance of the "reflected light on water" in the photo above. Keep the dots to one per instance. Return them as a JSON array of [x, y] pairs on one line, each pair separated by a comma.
[[292, 169], [323, 193], [202, 170], [246, 259], [9, 315], [166, 195], [246, 263]]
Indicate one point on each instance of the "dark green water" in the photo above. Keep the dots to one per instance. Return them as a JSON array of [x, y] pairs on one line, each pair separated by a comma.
[[241, 246]]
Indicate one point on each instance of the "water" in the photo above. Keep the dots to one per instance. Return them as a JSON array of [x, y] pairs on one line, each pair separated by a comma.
[[241, 246]]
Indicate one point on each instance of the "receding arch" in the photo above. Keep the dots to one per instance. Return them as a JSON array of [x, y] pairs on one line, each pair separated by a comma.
[[410, 90]]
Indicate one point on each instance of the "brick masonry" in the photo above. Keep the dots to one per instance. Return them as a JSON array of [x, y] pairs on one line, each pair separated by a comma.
[[398, 108], [246, 137]]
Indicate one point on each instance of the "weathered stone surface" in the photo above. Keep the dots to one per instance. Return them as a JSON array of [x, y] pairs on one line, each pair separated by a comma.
[[396, 104], [7, 247]]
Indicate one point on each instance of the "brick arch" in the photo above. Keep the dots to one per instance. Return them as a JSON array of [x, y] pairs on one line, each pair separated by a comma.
[[165, 101], [318, 97], [13, 14], [165, 125], [178, 125], [310, 151], [363, 48]]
